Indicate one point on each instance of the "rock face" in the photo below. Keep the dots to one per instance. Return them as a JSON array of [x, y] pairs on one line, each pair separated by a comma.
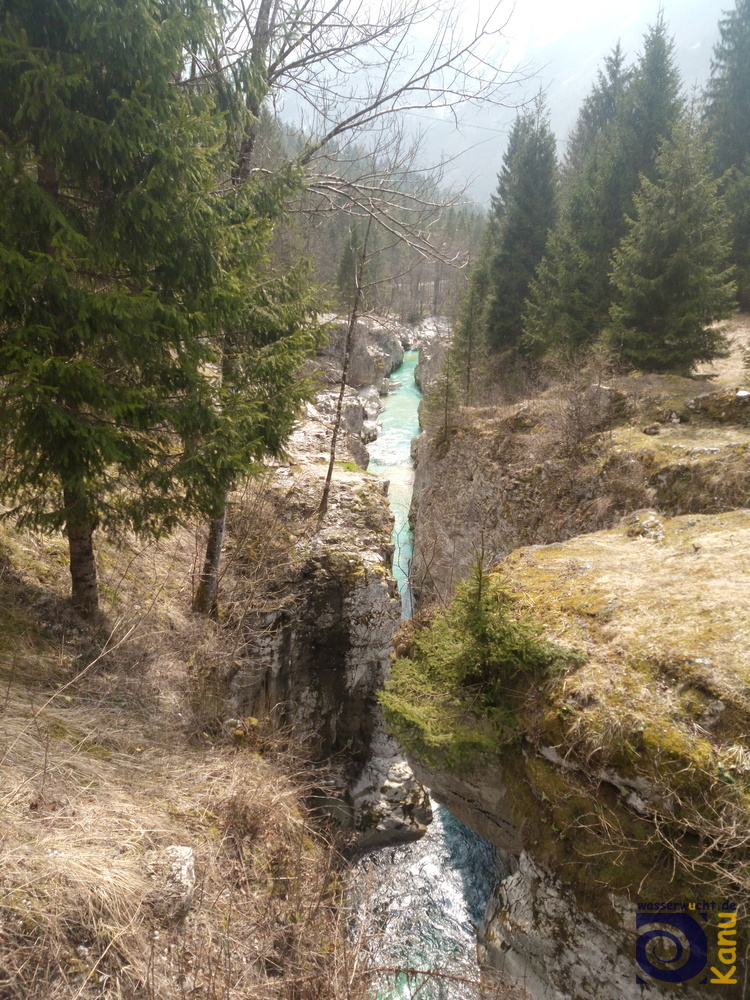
[[432, 338], [613, 761], [390, 805], [318, 659], [479, 800], [569, 462], [535, 934], [319, 655], [377, 350], [311, 440]]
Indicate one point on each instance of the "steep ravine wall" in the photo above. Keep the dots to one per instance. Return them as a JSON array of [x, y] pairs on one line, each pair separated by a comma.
[[522, 475], [319, 651], [616, 784]]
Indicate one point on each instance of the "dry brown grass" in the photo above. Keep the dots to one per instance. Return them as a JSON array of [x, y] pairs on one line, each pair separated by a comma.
[[109, 752], [731, 371], [84, 808], [663, 609], [683, 595], [115, 744]]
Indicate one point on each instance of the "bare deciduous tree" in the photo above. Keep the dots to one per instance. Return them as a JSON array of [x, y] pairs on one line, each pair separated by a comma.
[[348, 71], [344, 66]]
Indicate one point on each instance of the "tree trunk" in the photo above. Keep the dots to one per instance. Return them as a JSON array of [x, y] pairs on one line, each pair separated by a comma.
[[206, 599], [438, 274], [206, 596], [469, 347], [79, 527], [79, 523], [255, 98], [358, 274]]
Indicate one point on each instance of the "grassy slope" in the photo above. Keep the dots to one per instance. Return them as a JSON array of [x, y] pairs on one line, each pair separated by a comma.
[[111, 747]]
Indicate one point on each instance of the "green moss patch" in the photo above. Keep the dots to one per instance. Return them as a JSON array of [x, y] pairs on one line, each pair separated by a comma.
[[463, 689]]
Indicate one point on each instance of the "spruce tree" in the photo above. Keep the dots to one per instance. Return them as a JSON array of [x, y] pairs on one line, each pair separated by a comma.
[[618, 135], [598, 111], [120, 271], [671, 273], [468, 350], [728, 121], [524, 209], [651, 104]]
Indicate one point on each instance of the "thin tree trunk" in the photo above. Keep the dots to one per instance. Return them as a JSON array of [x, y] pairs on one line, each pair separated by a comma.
[[79, 528], [258, 56], [469, 349], [438, 274], [339, 406], [358, 274], [79, 524], [206, 598]]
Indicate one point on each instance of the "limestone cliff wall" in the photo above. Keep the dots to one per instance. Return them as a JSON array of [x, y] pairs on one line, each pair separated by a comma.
[[433, 338], [621, 780], [319, 657], [319, 648], [579, 459], [534, 933], [377, 350], [528, 474]]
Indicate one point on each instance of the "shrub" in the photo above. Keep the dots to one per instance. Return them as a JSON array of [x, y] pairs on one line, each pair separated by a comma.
[[457, 694]]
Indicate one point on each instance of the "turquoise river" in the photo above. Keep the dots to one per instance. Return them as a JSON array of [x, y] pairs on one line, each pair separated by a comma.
[[423, 901]]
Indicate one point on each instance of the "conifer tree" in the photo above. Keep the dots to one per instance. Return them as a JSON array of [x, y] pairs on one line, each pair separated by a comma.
[[728, 122], [598, 111], [618, 135], [468, 350], [524, 209], [651, 105], [120, 271], [671, 272]]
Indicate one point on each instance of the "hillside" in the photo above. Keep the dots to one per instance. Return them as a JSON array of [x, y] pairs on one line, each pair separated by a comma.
[[575, 457], [131, 799]]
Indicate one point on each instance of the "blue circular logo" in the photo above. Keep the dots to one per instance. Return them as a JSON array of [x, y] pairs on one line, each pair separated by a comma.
[[671, 947]]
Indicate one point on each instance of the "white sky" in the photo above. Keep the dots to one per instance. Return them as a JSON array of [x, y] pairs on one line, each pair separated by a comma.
[[566, 40]]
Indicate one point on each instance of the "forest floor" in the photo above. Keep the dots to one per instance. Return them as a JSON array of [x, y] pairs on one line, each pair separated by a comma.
[[731, 370]]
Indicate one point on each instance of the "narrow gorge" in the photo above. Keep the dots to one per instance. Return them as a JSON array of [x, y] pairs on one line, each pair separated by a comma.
[[577, 702], [422, 902], [563, 922]]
